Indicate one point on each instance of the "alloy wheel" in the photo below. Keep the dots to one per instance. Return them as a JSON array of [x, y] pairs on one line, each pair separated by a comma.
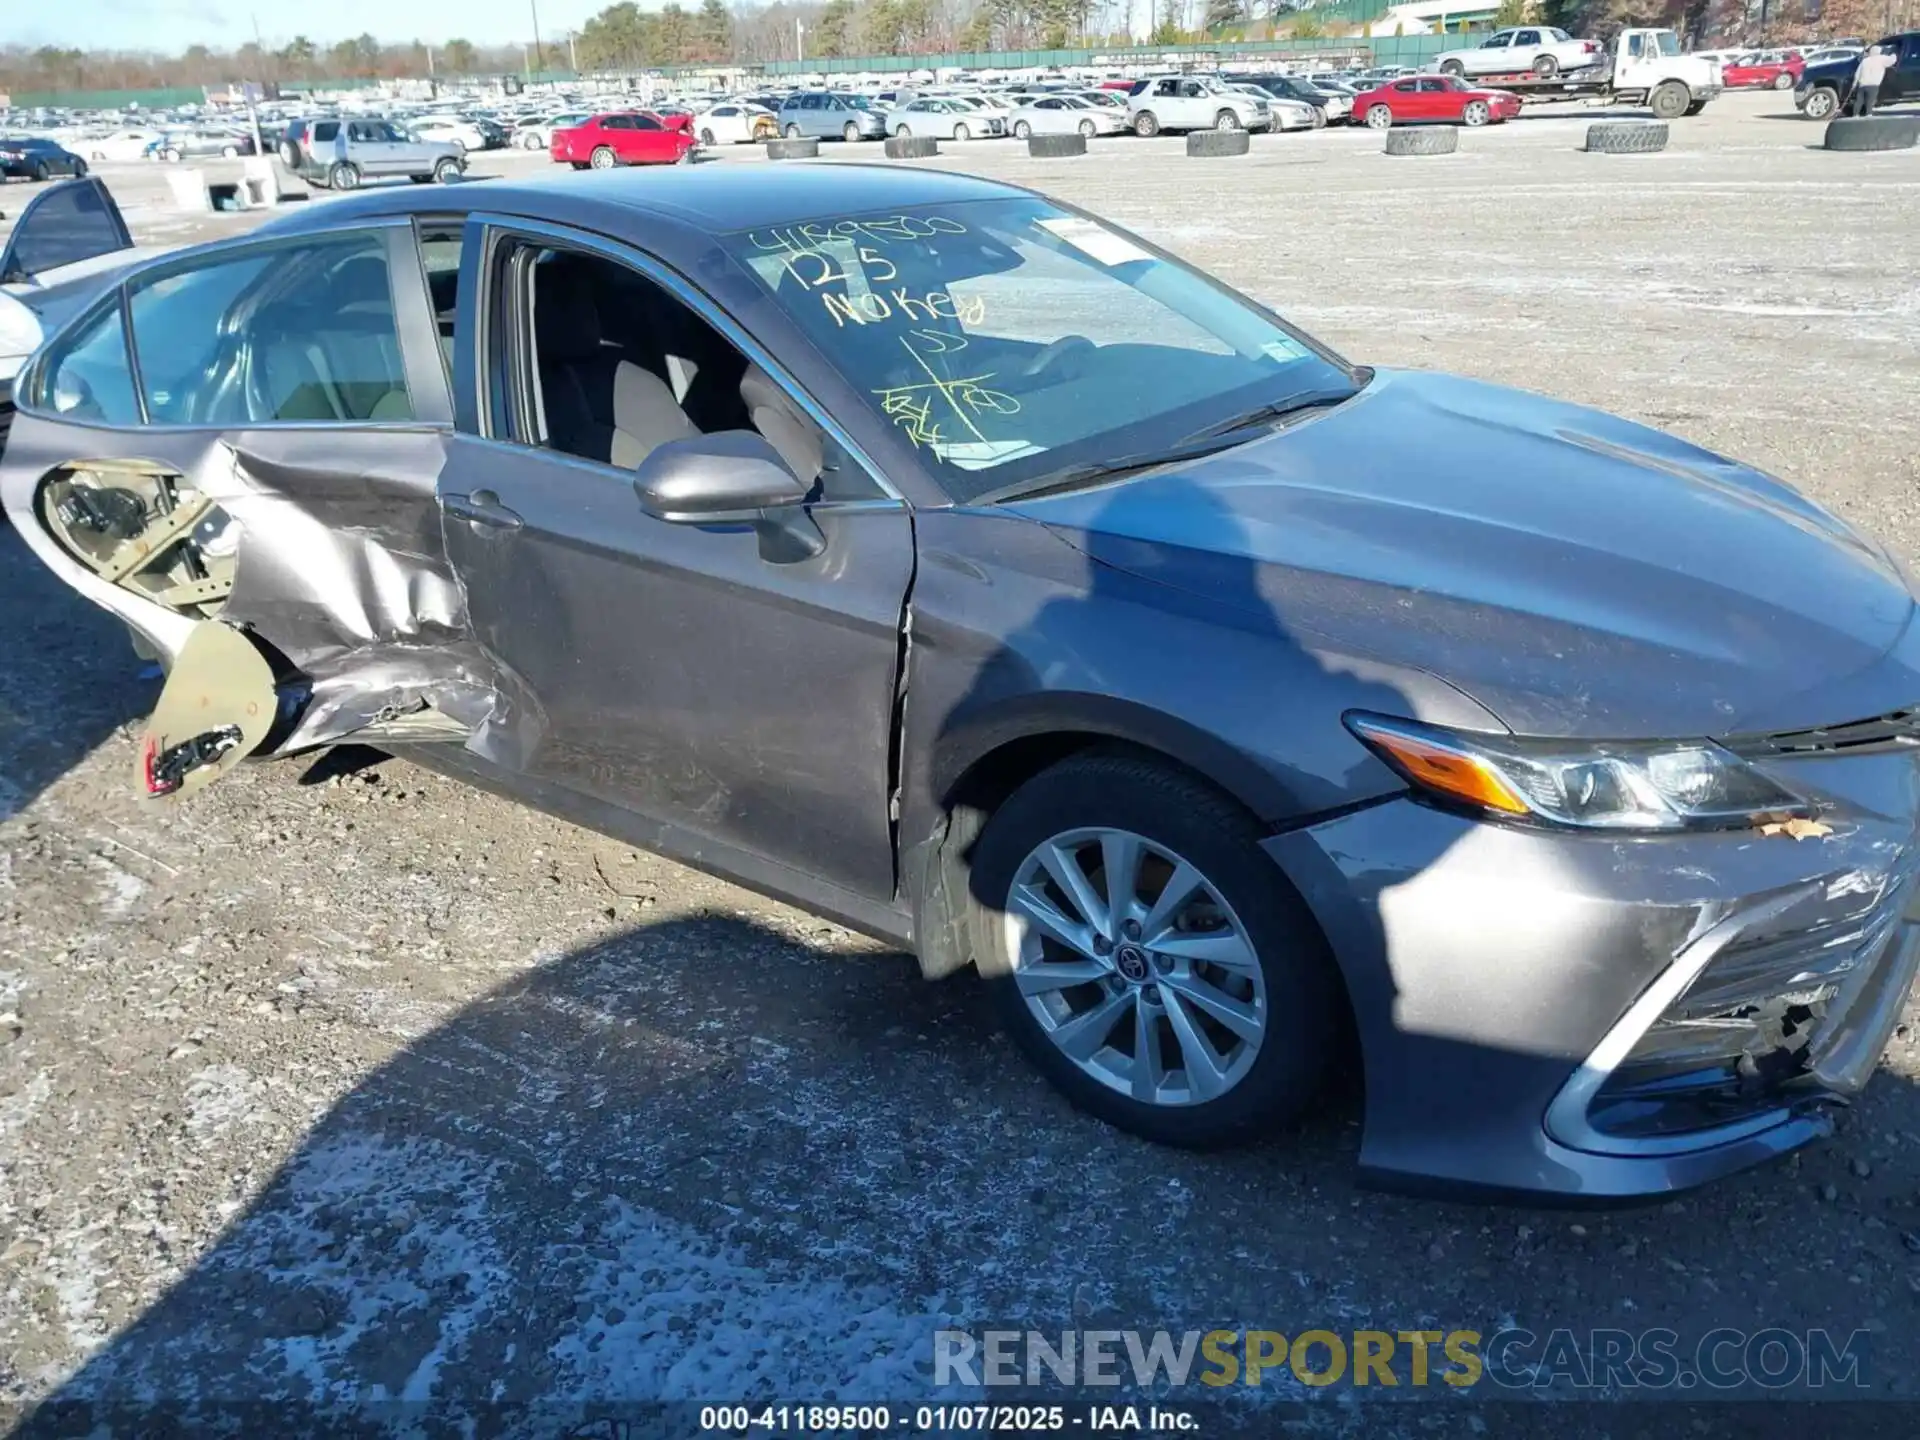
[[1134, 967]]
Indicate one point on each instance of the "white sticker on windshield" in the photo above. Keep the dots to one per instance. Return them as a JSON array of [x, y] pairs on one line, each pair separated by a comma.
[[1092, 238], [1284, 350], [983, 454]]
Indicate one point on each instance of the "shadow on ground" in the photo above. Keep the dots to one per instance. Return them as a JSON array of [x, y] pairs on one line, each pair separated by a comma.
[[68, 677]]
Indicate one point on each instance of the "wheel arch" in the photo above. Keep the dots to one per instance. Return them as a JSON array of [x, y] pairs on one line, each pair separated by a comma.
[[975, 768]]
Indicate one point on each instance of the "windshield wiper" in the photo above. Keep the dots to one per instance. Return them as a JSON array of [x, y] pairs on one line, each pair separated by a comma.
[[1281, 409], [1077, 477], [1224, 435]]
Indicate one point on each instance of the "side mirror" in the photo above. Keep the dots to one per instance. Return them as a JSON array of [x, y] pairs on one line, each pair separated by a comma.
[[730, 476]]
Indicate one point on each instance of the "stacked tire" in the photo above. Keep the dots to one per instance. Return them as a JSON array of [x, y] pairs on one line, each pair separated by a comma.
[[1052, 147], [1218, 142], [1428, 140], [1873, 132], [1626, 137]]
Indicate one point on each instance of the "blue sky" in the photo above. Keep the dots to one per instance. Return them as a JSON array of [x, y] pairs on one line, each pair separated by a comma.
[[171, 25]]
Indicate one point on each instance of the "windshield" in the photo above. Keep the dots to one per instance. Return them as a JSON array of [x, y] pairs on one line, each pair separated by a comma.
[[1009, 340], [856, 102]]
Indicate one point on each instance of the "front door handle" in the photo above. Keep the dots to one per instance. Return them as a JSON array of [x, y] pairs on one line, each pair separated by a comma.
[[482, 507]]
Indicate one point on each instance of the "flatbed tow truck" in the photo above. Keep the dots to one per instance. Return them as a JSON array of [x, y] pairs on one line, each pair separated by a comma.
[[1646, 67]]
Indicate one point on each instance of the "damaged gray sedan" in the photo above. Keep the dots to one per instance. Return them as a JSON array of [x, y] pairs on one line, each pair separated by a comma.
[[948, 561]]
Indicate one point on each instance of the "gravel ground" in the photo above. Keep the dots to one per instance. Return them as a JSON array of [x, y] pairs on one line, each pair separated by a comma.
[[341, 1081]]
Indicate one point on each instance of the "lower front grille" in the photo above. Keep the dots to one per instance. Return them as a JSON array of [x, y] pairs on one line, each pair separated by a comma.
[[1764, 1020]]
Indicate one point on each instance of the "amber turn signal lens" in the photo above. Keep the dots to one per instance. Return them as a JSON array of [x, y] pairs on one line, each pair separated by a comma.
[[1452, 773]]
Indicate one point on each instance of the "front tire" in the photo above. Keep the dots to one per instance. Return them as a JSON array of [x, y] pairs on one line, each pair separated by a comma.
[[1147, 955], [446, 170], [1453, 67], [1146, 125], [706, 138], [1475, 114], [1379, 117], [1783, 81], [1226, 120], [851, 133], [1023, 131], [961, 132], [79, 169], [793, 132], [1669, 100], [1087, 129], [1821, 104]]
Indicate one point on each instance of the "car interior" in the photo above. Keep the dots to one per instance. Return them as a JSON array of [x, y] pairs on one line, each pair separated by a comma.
[[621, 367]]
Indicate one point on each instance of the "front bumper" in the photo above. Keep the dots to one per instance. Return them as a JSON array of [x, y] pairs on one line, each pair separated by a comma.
[[1549, 1013]]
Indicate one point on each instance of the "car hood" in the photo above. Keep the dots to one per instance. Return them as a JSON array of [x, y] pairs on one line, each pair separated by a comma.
[[1575, 573]]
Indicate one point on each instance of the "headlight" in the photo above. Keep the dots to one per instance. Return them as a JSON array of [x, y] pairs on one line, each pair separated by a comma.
[[1661, 785]]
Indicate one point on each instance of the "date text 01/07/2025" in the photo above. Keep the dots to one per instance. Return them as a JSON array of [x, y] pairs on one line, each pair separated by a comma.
[[946, 1419]]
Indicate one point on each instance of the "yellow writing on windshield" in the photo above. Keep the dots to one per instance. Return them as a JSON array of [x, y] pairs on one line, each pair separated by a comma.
[[878, 306], [922, 407]]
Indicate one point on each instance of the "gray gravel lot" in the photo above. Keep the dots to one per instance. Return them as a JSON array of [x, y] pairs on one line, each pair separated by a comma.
[[338, 1083]]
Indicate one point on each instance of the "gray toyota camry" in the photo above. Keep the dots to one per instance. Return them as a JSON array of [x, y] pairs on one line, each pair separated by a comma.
[[954, 563]]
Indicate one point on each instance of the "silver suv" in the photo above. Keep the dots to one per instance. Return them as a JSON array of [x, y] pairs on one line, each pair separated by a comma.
[[830, 115], [1193, 102], [342, 153]]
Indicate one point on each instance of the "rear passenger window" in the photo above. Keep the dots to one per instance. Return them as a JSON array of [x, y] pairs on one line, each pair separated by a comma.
[[279, 333], [326, 130], [86, 375]]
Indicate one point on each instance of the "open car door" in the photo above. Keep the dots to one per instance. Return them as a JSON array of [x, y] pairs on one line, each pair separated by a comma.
[[68, 243]]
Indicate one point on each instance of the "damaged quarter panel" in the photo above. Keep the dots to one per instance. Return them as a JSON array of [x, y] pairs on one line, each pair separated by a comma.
[[269, 457]]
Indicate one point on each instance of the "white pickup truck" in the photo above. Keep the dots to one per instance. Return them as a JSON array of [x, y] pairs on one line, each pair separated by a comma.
[[1646, 67]]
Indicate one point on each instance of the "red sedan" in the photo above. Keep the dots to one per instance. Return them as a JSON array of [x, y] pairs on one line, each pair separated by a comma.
[[1445, 98], [1771, 70], [626, 137]]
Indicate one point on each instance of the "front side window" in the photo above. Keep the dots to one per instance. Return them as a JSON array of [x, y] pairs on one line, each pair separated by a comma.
[[1498, 41], [1007, 339], [273, 333], [86, 375]]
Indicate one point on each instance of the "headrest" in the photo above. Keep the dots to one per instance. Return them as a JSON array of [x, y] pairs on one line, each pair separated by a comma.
[[566, 320]]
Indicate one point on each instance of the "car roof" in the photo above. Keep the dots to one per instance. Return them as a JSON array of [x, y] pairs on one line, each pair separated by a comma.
[[710, 197]]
